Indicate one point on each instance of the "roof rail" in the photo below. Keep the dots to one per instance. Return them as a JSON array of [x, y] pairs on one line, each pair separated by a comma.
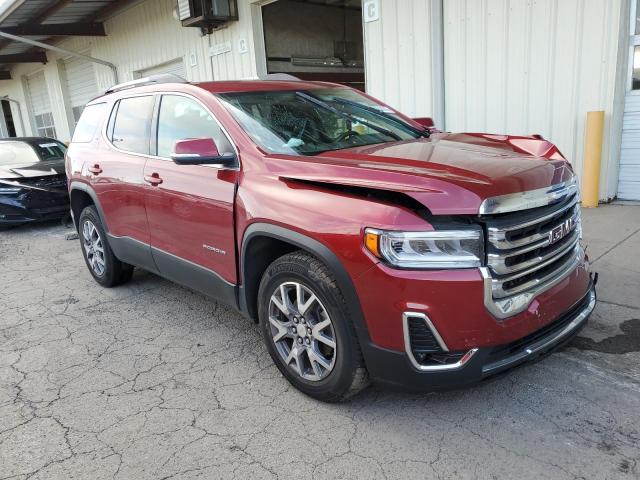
[[280, 76], [150, 80]]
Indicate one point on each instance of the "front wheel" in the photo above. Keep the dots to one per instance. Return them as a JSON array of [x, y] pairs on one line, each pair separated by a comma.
[[306, 326]]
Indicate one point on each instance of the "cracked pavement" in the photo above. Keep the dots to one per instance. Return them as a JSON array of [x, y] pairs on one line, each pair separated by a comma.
[[152, 381]]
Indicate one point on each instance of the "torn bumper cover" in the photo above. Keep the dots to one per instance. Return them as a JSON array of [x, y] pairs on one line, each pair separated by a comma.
[[395, 369], [33, 199]]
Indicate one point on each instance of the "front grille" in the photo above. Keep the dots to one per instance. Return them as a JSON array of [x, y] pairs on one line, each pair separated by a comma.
[[528, 249], [49, 181]]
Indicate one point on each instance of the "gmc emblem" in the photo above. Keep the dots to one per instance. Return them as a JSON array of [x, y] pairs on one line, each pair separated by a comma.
[[561, 231]]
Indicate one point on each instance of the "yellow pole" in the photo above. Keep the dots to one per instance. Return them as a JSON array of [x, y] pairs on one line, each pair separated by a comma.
[[592, 159]]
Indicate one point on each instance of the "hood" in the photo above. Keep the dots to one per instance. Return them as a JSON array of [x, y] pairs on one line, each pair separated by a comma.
[[447, 173], [37, 169]]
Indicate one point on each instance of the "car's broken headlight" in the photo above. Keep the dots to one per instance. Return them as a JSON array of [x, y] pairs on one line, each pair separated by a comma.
[[439, 249]]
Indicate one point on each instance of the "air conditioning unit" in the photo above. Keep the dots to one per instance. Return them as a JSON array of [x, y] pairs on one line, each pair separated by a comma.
[[207, 15]]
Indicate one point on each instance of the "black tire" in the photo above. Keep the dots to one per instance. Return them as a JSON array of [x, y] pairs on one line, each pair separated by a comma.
[[348, 375], [115, 272]]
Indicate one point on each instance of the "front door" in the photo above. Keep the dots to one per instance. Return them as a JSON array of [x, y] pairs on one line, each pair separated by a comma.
[[629, 177], [190, 207]]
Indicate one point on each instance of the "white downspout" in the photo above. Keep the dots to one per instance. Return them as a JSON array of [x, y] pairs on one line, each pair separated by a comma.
[[64, 51]]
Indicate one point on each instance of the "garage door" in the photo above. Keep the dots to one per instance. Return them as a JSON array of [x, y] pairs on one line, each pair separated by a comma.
[[176, 67], [81, 84], [40, 106], [629, 180]]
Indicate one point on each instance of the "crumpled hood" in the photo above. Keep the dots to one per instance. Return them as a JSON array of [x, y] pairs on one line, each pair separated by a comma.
[[448, 173], [38, 169]]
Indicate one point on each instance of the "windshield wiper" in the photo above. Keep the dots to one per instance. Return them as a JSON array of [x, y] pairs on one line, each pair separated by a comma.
[[375, 111], [326, 106]]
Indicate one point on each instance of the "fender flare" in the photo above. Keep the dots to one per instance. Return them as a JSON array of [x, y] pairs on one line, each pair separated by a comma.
[[323, 253], [76, 185]]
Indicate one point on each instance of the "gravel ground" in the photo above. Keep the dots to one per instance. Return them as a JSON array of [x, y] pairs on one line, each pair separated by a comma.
[[151, 380]]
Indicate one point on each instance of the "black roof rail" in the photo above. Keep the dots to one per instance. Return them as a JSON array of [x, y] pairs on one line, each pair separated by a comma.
[[150, 80]]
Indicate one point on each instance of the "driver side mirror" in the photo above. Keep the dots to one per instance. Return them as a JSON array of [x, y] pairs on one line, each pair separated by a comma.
[[200, 151], [426, 122]]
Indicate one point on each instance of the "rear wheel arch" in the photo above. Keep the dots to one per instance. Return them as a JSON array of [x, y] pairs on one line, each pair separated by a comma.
[[81, 195], [264, 242]]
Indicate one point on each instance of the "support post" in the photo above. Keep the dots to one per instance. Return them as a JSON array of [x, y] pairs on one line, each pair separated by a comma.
[[594, 131]]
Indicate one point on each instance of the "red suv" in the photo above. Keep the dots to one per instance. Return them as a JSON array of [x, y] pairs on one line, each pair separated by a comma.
[[368, 245]]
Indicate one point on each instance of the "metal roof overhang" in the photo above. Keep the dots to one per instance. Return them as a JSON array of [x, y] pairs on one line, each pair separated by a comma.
[[46, 22]]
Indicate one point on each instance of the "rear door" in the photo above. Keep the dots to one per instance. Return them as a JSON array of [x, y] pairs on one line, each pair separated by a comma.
[[190, 207], [116, 172]]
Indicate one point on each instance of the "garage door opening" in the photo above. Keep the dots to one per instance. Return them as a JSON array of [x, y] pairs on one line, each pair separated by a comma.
[[315, 40]]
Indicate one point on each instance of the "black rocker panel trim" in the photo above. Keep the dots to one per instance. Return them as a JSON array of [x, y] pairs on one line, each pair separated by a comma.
[[195, 277]]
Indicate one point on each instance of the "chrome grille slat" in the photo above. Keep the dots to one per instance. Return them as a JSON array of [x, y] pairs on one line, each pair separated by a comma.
[[497, 284], [498, 237], [498, 263], [528, 250]]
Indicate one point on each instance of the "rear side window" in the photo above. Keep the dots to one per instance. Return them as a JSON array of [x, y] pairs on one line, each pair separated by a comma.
[[132, 124], [89, 123]]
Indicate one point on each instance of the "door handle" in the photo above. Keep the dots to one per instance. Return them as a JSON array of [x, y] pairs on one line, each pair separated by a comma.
[[96, 170], [154, 179]]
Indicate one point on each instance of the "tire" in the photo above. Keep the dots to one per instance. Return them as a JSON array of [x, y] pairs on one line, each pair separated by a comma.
[[328, 374], [105, 268]]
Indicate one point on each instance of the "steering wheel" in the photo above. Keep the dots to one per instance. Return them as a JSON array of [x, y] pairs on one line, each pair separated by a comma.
[[345, 136]]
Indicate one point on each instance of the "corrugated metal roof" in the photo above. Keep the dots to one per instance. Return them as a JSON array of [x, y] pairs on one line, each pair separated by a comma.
[[73, 11]]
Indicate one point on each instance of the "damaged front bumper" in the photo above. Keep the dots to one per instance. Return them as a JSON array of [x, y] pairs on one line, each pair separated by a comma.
[[400, 370]]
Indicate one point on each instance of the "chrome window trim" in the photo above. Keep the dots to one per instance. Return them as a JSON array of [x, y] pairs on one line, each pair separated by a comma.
[[529, 199], [430, 368], [155, 157]]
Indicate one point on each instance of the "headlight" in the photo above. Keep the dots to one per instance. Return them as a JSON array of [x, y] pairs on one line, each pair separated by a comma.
[[9, 190], [440, 249]]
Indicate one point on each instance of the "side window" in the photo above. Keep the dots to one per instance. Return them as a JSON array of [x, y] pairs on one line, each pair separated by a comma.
[[89, 123], [132, 124], [181, 118]]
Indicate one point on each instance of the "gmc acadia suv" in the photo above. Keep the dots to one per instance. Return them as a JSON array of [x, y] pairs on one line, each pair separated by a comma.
[[368, 246]]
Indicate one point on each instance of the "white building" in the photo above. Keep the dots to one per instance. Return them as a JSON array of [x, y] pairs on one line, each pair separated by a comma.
[[502, 66]]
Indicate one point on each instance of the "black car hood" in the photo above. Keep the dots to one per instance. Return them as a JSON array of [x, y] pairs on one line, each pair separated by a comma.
[[38, 169]]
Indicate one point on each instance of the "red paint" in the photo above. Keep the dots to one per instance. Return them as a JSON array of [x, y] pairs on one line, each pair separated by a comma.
[[205, 147], [196, 205]]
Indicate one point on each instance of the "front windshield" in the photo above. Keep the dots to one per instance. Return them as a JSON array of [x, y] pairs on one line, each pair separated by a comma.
[[307, 122], [16, 153]]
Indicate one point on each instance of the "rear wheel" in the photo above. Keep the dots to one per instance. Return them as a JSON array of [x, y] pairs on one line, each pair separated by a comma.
[[105, 268], [306, 326]]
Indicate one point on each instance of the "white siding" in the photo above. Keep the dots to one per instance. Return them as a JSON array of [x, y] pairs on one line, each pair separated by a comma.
[[147, 34], [38, 94], [398, 56], [534, 66], [175, 68], [80, 84], [629, 184], [139, 37]]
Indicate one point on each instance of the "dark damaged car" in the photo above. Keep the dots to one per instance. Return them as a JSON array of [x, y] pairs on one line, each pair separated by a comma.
[[33, 184]]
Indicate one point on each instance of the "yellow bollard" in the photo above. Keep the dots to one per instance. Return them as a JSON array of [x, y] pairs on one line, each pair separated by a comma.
[[592, 159]]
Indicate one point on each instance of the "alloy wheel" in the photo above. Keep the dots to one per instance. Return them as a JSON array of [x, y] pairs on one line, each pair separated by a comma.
[[302, 331], [93, 247]]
